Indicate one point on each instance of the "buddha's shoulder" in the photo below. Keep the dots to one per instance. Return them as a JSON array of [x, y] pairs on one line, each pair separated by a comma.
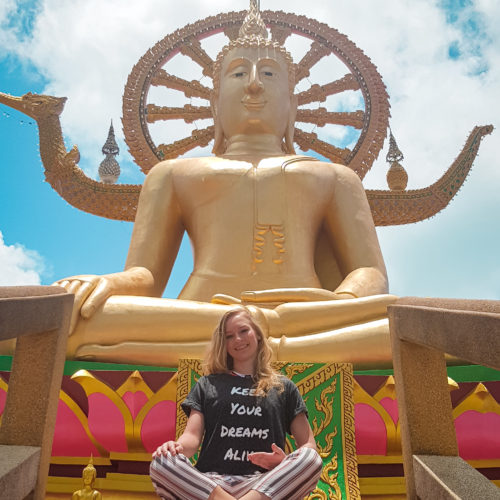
[[178, 166], [309, 163]]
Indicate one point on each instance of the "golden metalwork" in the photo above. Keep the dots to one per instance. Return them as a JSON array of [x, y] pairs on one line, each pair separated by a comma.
[[314, 55], [190, 89], [321, 117], [114, 201], [197, 138], [319, 93], [188, 113], [324, 405], [293, 369], [404, 207], [192, 48]]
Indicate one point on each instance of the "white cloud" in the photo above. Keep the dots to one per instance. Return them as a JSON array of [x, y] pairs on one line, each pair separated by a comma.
[[18, 265], [86, 49]]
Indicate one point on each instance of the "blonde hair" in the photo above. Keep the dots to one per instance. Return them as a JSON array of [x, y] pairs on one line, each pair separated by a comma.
[[217, 359]]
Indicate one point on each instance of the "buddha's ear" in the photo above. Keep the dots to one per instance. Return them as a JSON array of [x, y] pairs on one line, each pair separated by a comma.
[[290, 129], [219, 143]]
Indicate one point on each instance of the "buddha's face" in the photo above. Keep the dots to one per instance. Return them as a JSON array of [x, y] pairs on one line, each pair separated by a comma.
[[254, 97], [88, 476]]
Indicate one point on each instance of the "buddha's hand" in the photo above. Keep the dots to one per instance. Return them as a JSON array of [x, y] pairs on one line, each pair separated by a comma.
[[268, 461], [90, 291], [282, 295], [172, 447]]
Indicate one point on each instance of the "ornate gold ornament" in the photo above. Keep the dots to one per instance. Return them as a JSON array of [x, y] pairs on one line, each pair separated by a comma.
[[361, 75]]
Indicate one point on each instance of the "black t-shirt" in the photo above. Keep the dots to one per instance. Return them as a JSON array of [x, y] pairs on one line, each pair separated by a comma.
[[237, 422]]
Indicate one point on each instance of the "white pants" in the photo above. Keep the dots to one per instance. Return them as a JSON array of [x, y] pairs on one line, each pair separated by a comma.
[[175, 478]]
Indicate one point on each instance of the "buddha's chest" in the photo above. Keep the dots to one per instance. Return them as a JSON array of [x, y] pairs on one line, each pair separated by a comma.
[[268, 191]]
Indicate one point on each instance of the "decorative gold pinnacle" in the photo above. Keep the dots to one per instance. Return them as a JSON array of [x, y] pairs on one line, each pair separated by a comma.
[[253, 25], [397, 177]]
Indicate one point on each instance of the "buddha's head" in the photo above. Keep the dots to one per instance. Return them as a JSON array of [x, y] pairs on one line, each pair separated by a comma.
[[89, 474], [254, 79]]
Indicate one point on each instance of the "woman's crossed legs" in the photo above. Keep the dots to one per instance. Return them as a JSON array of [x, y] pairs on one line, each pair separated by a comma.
[[175, 478]]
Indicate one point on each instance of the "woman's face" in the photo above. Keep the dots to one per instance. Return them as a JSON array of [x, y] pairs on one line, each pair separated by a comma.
[[242, 340]]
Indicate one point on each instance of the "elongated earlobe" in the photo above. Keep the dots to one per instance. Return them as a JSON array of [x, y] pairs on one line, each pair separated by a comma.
[[290, 129], [219, 142]]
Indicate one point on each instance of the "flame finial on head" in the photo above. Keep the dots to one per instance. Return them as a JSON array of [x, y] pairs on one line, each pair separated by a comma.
[[90, 466], [253, 25]]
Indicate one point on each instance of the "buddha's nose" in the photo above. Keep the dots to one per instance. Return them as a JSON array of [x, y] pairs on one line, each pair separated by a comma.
[[254, 85]]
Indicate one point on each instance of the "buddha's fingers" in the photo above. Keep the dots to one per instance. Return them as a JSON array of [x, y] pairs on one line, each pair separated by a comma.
[[221, 298], [98, 294], [366, 345], [154, 353], [81, 289], [280, 295], [84, 290], [299, 318], [73, 286]]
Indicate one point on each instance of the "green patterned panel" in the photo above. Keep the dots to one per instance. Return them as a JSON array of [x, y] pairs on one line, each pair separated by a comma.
[[327, 389]]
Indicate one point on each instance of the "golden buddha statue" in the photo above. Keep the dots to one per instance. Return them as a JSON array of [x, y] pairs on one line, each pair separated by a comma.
[[88, 492], [269, 230]]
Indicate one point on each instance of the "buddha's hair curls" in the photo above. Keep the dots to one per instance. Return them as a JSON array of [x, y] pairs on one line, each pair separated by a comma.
[[217, 359]]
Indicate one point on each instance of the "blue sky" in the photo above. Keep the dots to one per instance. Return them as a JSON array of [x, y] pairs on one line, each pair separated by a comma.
[[439, 61]]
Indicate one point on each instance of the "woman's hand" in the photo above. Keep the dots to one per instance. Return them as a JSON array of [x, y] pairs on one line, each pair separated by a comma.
[[268, 460], [174, 447]]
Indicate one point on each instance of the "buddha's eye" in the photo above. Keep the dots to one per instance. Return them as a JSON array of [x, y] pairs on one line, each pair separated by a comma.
[[268, 73], [239, 74]]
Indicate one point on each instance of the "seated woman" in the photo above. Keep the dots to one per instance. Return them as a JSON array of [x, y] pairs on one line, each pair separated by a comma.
[[242, 410]]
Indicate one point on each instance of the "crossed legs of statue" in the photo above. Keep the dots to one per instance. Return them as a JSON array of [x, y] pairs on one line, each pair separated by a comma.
[[175, 478], [160, 331]]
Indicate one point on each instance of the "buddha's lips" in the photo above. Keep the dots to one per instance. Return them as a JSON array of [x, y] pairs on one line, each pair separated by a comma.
[[253, 105]]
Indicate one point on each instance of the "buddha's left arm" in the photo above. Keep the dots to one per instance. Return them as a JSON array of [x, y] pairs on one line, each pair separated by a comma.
[[352, 231]]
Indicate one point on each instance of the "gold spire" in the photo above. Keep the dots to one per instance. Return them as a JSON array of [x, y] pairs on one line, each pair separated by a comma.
[[397, 178], [90, 465], [253, 25]]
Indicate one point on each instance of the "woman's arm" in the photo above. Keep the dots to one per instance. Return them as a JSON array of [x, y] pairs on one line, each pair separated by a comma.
[[302, 432], [189, 442], [303, 435]]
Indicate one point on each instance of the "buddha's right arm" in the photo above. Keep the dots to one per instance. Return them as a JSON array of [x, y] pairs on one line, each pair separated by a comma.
[[153, 248], [91, 291]]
